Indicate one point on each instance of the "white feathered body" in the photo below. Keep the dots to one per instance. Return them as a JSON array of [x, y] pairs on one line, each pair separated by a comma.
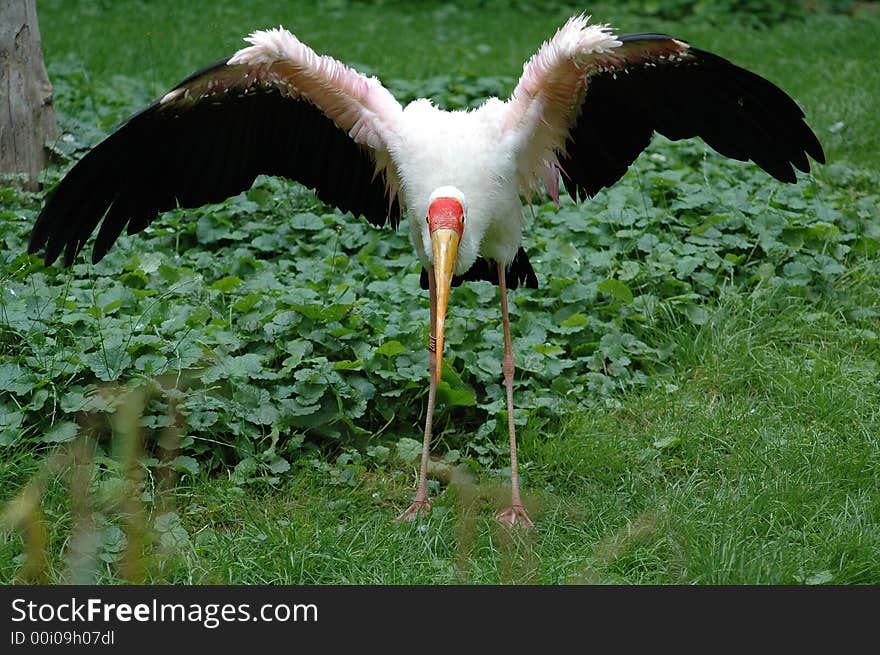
[[492, 154], [469, 150]]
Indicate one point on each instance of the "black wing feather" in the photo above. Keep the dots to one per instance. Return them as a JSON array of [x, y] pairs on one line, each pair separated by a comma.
[[738, 113], [519, 271], [191, 152]]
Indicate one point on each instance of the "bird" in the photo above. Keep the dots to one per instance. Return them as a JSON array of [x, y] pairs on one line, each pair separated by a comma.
[[586, 105]]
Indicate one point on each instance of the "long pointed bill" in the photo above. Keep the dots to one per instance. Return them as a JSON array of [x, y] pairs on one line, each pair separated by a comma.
[[444, 243]]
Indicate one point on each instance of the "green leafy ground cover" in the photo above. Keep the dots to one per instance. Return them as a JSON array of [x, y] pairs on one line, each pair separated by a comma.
[[697, 395], [297, 325]]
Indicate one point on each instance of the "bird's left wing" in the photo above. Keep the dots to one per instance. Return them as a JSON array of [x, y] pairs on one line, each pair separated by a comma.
[[588, 103], [275, 107]]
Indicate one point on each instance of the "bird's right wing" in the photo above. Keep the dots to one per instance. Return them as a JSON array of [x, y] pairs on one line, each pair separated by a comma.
[[274, 108]]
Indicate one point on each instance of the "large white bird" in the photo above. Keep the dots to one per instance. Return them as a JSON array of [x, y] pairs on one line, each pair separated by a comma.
[[586, 105]]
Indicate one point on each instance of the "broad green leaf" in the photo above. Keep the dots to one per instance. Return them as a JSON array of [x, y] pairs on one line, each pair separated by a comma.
[[617, 289], [278, 465], [379, 453], [455, 397], [246, 303], [16, 380], [226, 284], [347, 365], [245, 469], [172, 534], [647, 242], [185, 464], [10, 422], [408, 450], [149, 262], [697, 314], [391, 348], [61, 432], [306, 221], [169, 273], [549, 349]]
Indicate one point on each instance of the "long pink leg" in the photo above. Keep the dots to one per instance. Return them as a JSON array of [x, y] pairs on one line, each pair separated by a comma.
[[516, 512], [420, 502]]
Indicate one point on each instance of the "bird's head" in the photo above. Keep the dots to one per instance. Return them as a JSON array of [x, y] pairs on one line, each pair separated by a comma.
[[446, 223]]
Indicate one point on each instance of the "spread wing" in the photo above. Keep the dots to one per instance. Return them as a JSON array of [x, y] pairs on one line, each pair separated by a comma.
[[589, 102], [274, 108]]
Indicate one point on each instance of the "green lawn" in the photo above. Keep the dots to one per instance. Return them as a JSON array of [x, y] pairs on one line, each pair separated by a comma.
[[758, 463], [726, 419]]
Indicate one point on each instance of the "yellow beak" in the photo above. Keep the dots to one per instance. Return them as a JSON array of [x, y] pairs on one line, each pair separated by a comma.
[[444, 243]]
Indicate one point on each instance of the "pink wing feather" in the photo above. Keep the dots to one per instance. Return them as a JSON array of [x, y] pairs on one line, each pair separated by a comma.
[[356, 103], [547, 99], [360, 105]]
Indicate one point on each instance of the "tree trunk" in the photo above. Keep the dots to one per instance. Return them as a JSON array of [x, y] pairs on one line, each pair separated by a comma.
[[27, 117]]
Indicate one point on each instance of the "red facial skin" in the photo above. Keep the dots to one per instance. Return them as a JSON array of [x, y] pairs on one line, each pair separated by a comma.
[[446, 213]]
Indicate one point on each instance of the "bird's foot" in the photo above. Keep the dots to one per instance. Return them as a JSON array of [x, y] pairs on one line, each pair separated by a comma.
[[513, 515], [419, 506]]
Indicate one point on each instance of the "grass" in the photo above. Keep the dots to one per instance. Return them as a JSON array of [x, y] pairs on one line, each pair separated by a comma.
[[758, 462], [754, 460]]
